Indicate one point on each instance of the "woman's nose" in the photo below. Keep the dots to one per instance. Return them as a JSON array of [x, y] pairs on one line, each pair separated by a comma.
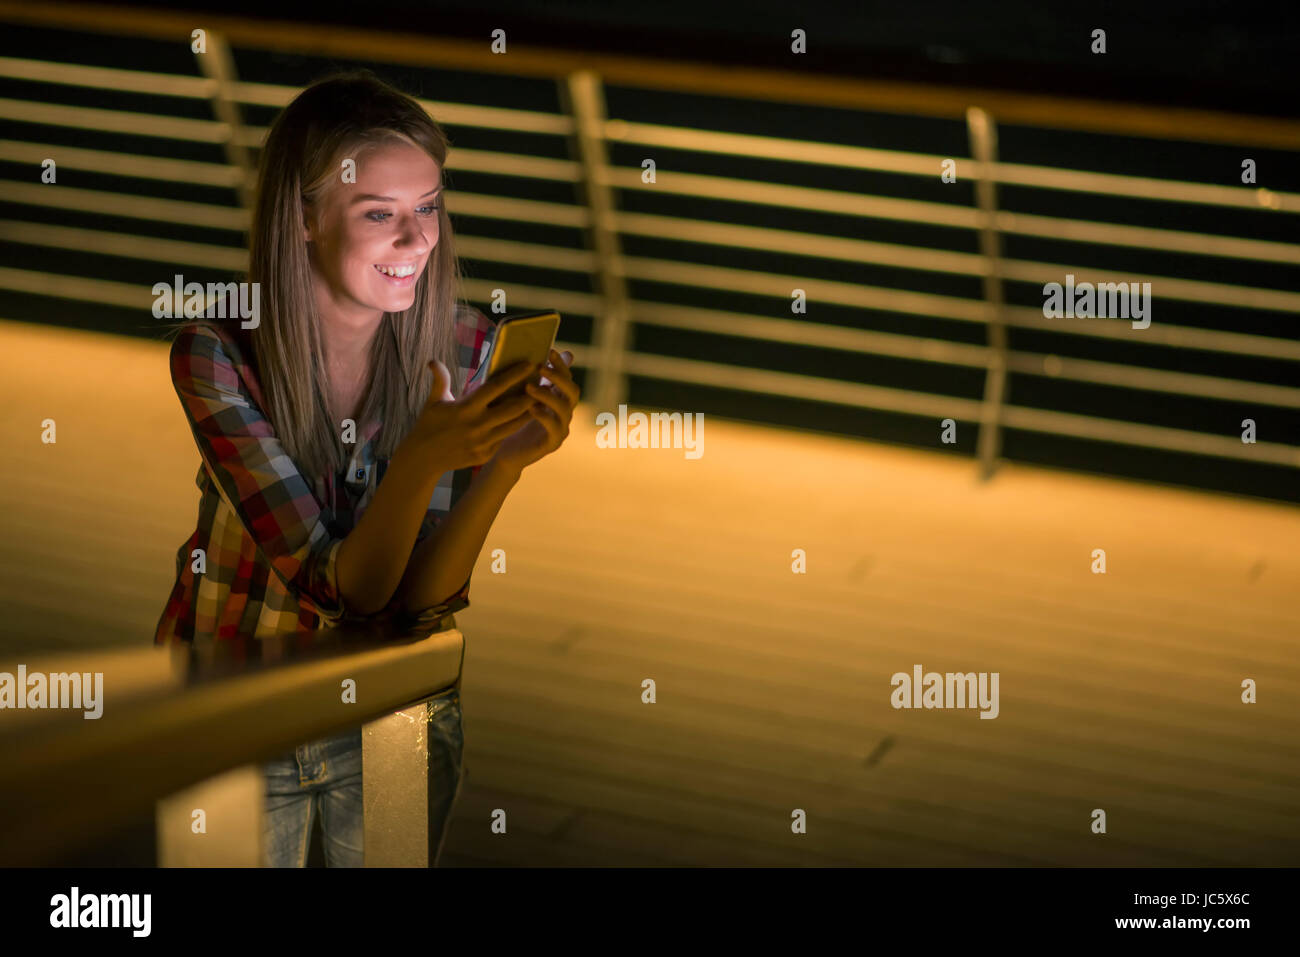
[[414, 236]]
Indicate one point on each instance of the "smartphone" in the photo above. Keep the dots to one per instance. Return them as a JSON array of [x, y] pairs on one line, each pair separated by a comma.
[[522, 337]]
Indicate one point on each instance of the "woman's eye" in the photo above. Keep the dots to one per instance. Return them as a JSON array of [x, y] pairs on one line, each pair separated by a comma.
[[380, 216]]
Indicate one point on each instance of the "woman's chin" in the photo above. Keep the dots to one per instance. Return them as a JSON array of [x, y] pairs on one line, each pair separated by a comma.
[[394, 301]]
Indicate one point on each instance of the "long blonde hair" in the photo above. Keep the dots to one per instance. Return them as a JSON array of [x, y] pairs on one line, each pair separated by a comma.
[[335, 118]]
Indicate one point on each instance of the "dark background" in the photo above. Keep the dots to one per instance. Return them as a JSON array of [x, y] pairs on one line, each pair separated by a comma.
[[1235, 56]]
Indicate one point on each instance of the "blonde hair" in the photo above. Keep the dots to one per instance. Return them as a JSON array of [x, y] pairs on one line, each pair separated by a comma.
[[338, 117]]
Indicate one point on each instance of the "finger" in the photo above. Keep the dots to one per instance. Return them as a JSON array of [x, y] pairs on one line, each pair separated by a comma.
[[502, 382], [565, 394], [506, 410], [558, 372], [559, 365], [547, 418], [440, 377], [551, 399], [508, 429]]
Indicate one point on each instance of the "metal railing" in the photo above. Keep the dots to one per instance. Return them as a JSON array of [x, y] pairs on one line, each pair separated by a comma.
[[590, 132], [175, 721]]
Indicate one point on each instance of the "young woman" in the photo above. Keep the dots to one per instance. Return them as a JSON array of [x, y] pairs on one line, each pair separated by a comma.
[[350, 468]]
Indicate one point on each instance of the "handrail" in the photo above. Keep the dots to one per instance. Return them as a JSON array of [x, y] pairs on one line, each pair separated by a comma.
[[244, 701]]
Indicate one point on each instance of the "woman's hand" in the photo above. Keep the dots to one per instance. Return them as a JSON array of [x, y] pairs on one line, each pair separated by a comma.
[[459, 433], [551, 413]]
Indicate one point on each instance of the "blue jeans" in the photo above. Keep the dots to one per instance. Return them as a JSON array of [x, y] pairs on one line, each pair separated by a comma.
[[325, 777]]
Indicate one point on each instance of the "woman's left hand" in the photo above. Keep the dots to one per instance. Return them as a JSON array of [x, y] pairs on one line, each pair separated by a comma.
[[552, 412]]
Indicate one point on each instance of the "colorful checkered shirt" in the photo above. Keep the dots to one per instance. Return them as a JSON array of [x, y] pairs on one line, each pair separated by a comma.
[[270, 537]]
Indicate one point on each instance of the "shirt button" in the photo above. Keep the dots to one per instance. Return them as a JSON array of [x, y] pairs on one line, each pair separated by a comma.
[[361, 473]]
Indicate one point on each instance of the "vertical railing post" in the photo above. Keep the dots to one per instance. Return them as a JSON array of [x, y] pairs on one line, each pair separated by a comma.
[[395, 788], [582, 94], [984, 149], [217, 64]]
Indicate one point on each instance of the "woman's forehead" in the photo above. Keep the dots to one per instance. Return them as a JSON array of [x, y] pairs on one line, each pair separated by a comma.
[[398, 164]]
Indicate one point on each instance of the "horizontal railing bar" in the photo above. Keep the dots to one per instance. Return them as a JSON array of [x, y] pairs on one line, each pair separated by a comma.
[[824, 290], [1158, 334], [1146, 237], [535, 297], [1052, 227], [123, 164], [1148, 436], [79, 288], [930, 304], [793, 197], [139, 296], [1164, 335], [870, 342], [718, 375], [108, 78], [1152, 380], [484, 205], [499, 118], [538, 255], [516, 209], [515, 164], [1140, 187], [816, 245], [454, 114], [125, 245], [835, 391], [218, 174], [115, 121], [668, 180], [445, 112], [797, 332], [104, 203], [1162, 287], [884, 96], [697, 140]]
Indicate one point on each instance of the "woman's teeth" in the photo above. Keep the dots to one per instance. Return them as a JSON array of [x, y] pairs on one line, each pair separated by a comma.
[[397, 272]]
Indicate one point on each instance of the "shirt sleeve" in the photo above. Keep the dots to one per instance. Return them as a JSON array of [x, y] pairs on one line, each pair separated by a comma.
[[253, 472], [475, 333]]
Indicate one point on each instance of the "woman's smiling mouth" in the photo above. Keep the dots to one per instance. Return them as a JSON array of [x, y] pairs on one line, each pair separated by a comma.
[[399, 274]]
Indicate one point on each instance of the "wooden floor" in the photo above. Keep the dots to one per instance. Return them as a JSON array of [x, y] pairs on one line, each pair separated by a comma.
[[1119, 691]]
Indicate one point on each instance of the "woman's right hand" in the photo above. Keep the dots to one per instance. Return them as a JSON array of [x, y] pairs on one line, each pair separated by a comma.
[[460, 433]]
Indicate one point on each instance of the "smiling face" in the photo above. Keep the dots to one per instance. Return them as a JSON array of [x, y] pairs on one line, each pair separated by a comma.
[[371, 239]]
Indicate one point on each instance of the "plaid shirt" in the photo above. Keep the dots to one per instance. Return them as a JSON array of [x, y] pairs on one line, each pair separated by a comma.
[[271, 537]]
